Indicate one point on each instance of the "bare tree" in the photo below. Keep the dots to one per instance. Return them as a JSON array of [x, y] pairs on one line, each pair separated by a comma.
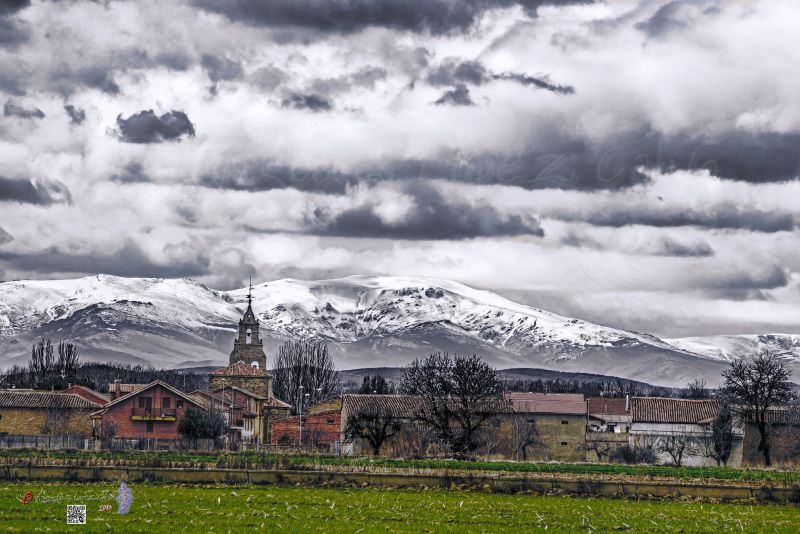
[[717, 443], [601, 447], [458, 396], [41, 363], [304, 374], [524, 435], [373, 424], [696, 389], [56, 422], [677, 447], [622, 388], [67, 362], [108, 430], [755, 386], [376, 384]]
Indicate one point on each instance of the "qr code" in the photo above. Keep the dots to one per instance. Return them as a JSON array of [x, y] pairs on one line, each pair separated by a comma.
[[76, 514]]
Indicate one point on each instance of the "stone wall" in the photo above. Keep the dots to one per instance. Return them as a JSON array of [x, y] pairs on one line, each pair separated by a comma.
[[30, 421], [254, 384]]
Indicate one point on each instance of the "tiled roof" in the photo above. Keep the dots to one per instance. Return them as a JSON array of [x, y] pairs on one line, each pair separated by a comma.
[[607, 406], [239, 369], [125, 388], [664, 410], [402, 406], [144, 387], [45, 399], [275, 402], [547, 403], [87, 393]]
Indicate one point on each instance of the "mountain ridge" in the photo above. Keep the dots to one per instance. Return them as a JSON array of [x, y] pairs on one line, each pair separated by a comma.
[[369, 321]]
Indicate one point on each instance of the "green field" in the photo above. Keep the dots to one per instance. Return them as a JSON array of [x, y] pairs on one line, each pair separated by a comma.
[[172, 508], [254, 460]]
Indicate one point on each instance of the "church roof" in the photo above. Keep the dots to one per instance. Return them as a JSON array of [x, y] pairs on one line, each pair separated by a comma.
[[240, 369]]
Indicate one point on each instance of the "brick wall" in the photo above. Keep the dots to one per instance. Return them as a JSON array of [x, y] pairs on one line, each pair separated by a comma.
[[320, 430]]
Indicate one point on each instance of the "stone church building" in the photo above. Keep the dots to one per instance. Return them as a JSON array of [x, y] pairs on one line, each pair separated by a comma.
[[246, 385]]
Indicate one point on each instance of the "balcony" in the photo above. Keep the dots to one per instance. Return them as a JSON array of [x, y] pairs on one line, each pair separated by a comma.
[[150, 414]]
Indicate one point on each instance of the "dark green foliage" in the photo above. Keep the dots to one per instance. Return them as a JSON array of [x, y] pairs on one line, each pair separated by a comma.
[[376, 384], [202, 424]]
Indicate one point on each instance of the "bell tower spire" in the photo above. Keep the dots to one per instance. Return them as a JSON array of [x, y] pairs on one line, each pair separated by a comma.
[[248, 346]]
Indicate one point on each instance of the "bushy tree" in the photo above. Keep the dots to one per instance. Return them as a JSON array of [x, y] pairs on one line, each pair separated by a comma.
[[459, 394], [718, 441], [304, 374], [754, 386], [376, 384], [202, 424]]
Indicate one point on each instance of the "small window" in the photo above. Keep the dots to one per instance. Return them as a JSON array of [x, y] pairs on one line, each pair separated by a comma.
[[563, 442], [564, 422], [179, 403], [329, 421], [149, 426], [166, 402], [141, 402]]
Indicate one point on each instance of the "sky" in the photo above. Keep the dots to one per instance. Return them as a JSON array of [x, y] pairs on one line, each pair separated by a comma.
[[633, 163]]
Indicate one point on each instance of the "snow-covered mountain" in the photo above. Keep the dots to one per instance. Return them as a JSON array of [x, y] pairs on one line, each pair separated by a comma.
[[369, 322], [730, 347]]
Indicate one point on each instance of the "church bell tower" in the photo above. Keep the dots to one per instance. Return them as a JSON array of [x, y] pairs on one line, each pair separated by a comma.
[[248, 347]]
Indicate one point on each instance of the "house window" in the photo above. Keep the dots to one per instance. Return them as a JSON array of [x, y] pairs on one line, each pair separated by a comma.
[[165, 402], [149, 426], [563, 442], [564, 422], [179, 403], [329, 421]]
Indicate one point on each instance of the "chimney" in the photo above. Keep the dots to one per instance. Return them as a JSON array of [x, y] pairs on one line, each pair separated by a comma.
[[116, 390]]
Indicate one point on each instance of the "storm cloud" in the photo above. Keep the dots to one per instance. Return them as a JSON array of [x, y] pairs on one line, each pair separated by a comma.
[[430, 217], [76, 115], [347, 16], [147, 127], [455, 72], [31, 192], [12, 109], [311, 102]]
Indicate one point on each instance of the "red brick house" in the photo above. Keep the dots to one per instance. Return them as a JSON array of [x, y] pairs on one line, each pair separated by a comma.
[[152, 411]]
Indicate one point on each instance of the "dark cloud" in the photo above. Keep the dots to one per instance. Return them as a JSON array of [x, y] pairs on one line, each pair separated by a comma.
[[453, 72], [675, 15], [766, 277], [366, 77], [431, 217], [269, 77], [97, 77], [347, 16], [458, 96], [722, 216], [221, 68], [133, 173], [667, 246], [76, 115], [11, 82], [12, 6], [12, 33], [147, 127], [264, 175], [311, 102], [130, 260], [173, 60], [29, 192], [5, 237], [12, 109]]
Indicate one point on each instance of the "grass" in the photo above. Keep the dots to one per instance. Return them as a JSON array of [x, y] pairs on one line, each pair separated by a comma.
[[174, 508], [252, 460]]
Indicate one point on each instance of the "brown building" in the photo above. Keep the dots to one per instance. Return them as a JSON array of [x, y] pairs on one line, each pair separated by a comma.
[[321, 427], [117, 390], [44, 412], [609, 414], [560, 422], [86, 393], [246, 414], [152, 411]]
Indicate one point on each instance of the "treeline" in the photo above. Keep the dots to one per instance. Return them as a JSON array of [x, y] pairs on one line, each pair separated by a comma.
[[613, 388]]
